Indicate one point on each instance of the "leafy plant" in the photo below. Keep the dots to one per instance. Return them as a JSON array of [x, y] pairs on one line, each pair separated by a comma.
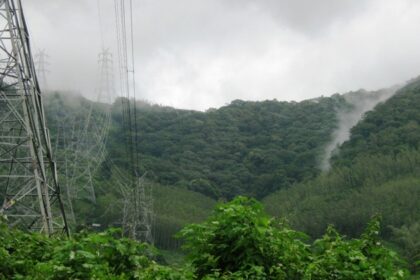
[[239, 241]]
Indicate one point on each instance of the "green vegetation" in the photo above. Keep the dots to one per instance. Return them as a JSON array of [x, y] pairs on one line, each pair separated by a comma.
[[271, 151], [192, 159], [251, 148], [84, 256], [238, 241], [375, 172], [393, 127], [348, 197], [173, 208]]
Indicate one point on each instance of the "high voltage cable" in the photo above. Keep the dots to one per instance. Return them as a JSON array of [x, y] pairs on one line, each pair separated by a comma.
[[121, 71], [128, 108], [134, 83], [101, 31], [129, 113], [137, 210]]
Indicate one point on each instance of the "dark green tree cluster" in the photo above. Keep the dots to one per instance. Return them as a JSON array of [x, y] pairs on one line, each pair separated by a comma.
[[251, 148]]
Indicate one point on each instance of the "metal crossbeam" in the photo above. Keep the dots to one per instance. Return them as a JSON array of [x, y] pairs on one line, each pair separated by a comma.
[[29, 188]]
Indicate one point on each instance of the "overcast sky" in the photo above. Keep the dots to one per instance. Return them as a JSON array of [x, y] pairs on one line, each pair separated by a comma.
[[199, 54]]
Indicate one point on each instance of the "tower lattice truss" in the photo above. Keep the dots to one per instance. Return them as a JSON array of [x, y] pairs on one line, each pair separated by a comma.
[[138, 213], [80, 137], [29, 190]]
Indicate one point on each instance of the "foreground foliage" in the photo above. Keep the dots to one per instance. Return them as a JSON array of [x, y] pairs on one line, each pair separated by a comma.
[[238, 241], [84, 256]]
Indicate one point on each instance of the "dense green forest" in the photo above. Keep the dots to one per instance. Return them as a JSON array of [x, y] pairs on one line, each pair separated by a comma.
[[375, 172], [272, 151], [251, 148], [392, 128]]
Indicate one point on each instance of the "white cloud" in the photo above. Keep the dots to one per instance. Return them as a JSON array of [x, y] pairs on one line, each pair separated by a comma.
[[200, 54]]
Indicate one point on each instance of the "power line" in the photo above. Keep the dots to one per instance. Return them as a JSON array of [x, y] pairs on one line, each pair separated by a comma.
[[138, 201], [101, 32], [124, 74], [134, 83]]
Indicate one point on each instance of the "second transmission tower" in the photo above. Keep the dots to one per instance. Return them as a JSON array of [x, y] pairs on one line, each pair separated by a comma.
[[41, 66], [106, 87]]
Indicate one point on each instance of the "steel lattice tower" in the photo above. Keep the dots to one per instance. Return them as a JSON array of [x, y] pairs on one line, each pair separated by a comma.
[[29, 190], [80, 138], [106, 87], [138, 212]]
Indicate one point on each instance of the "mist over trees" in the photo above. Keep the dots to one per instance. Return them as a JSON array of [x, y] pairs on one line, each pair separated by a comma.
[[375, 172]]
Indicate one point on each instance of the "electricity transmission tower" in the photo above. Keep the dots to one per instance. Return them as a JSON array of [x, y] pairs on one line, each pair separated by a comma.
[[41, 64], [138, 210], [106, 87], [81, 136], [137, 196], [29, 190]]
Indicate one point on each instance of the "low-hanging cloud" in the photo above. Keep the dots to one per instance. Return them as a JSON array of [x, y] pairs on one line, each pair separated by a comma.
[[360, 102], [307, 16], [201, 54]]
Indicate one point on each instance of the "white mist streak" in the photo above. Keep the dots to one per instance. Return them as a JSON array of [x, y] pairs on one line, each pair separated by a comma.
[[361, 102]]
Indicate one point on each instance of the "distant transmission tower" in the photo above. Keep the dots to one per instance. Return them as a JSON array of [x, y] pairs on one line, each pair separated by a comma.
[[41, 67], [29, 187], [106, 87], [138, 210], [81, 138], [137, 197]]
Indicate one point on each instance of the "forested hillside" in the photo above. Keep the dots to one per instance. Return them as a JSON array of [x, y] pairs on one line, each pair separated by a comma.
[[268, 148], [393, 127], [75, 123], [375, 172], [251, 148], [244, 148], [191, 157]]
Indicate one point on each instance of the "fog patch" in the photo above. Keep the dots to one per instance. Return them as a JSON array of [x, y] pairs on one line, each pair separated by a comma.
[[359, 103]]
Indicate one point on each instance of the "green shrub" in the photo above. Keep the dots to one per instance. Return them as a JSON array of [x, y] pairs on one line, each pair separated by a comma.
[[239, 241]]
